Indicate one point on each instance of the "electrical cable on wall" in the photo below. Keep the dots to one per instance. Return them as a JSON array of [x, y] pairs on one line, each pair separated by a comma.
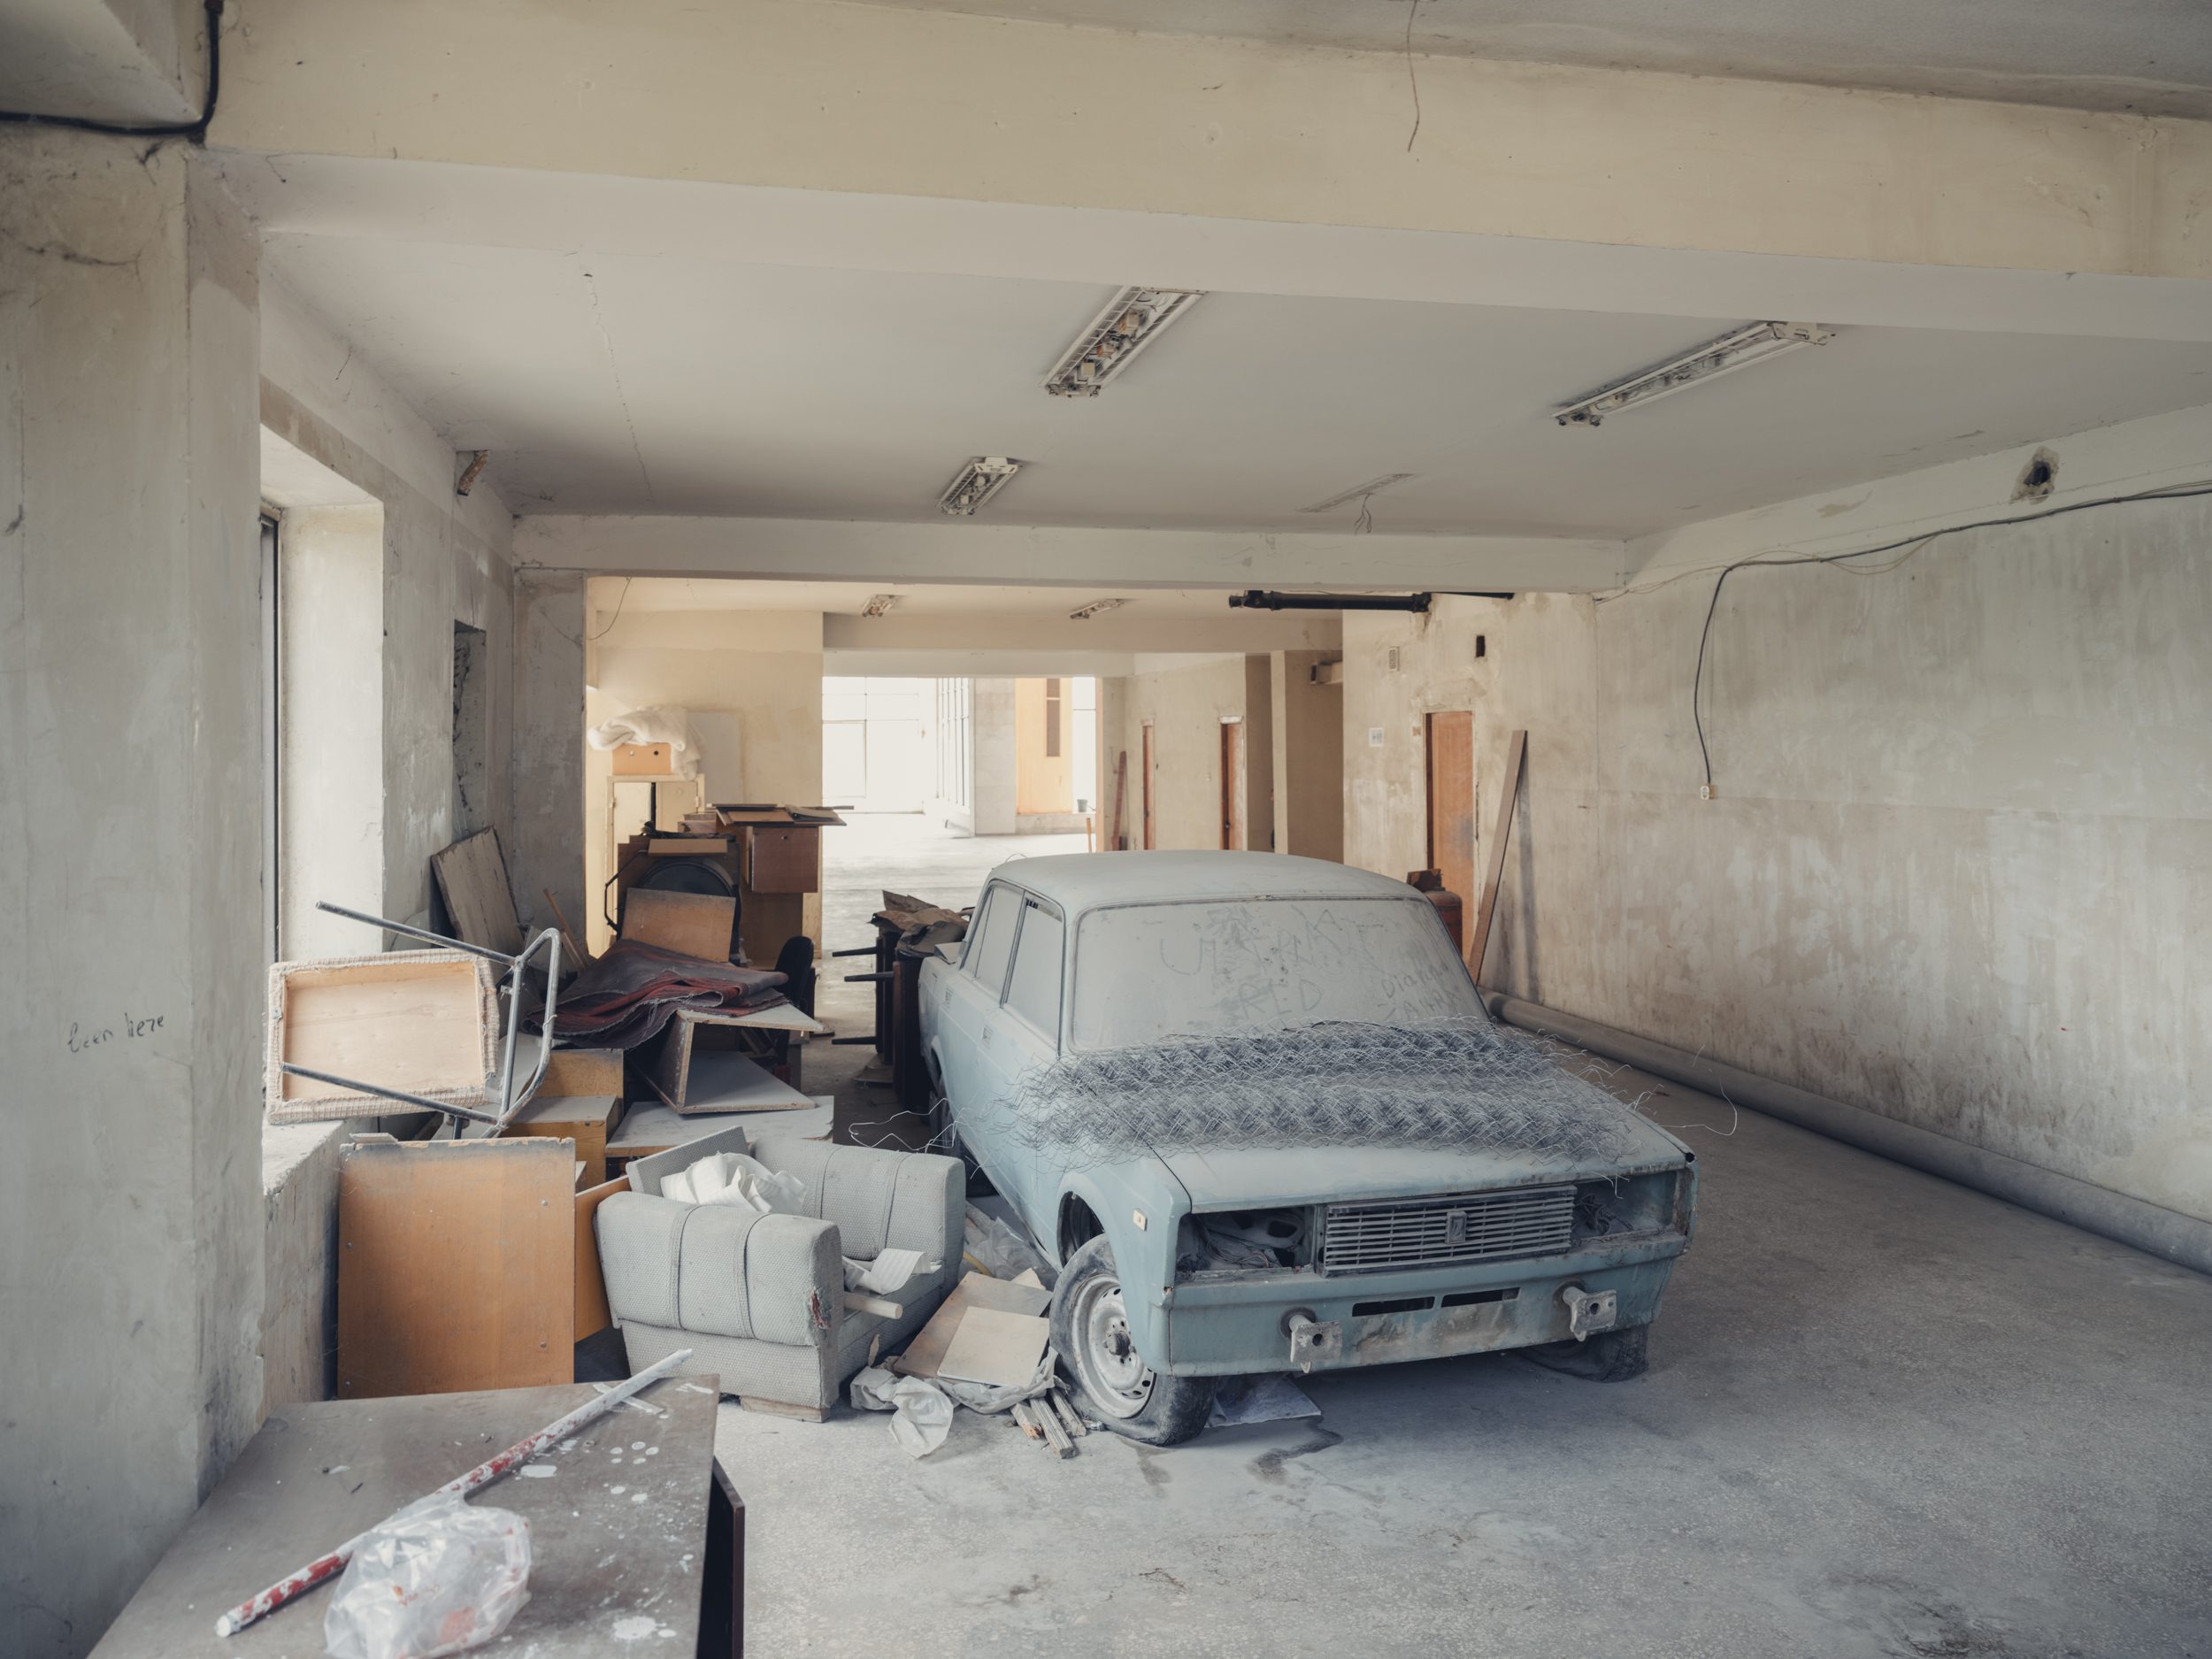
[[1910, 546], [194, 130]]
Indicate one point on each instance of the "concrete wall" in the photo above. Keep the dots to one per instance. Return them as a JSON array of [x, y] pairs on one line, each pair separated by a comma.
[[1956, 868], [1308, 729], [131, 801], [1186, 704], [553, 798], [446, 559]]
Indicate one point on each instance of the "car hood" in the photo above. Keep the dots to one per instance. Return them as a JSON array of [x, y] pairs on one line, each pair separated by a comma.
[[1265, 1175]]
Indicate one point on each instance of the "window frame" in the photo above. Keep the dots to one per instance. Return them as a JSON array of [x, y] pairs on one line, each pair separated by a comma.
[[1052, 1034], [975, 937]]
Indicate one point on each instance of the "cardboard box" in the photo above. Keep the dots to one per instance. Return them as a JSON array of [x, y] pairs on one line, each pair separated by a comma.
[[642, 760]]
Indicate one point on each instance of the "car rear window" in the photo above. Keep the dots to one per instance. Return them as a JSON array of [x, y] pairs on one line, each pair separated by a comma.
[[1147, 972]]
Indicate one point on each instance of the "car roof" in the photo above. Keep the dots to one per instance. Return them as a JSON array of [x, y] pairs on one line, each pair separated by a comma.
[[1084, 881]]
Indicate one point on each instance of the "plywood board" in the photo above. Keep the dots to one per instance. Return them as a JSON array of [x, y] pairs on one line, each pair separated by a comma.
[[685, 846], [785, 859], [691, 1078], [592, 1313], [457, 1263], [1478, 945], [587, 1122], [649, 1129], [472, 876], [582, 1072], [924, 1352], [690, 924], [418, 1021], [1000, 1349]]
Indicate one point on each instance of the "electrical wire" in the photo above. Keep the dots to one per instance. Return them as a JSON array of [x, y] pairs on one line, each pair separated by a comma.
[[194, 130], [1911, 545], [621, 599]]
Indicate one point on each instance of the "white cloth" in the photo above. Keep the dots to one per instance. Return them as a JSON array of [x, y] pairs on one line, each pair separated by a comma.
[[890, 1272], [731, 1178], [659, 725], [922, 1412]]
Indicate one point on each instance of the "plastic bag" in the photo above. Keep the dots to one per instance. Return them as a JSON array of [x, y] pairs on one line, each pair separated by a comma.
[[922, 1411], [1001, 1252], [440, 1577]]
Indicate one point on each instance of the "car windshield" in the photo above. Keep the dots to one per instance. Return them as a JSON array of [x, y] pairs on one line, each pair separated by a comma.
[[1147, 972]]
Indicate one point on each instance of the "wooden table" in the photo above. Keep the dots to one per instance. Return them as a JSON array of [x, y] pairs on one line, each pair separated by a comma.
[[645, 1553]]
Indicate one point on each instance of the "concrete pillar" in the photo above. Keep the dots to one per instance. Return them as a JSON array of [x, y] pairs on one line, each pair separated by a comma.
[[1117, 764], [131, 784], [1309, 742], [993, 792], [547, 756]]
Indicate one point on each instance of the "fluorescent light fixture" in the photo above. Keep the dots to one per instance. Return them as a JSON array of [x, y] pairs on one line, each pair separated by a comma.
[[880, 605], [1357, 491], [1086, 612], [982, 478], [1132, 319], [1754, 343]]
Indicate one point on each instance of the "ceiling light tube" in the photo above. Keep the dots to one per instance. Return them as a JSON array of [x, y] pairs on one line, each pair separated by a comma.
[[974, 483], [1754, 343], [1086, 612], [1132, 319]]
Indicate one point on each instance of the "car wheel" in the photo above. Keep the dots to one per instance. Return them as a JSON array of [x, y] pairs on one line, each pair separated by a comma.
[[1608, 1356], [1090, 1333], [944, 1138]]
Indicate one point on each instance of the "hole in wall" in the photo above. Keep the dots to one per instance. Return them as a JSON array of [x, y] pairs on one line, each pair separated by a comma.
[[1482, 645], [2038, 478]]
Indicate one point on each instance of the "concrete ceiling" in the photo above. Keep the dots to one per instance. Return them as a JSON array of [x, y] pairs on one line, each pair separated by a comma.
[[2150, 55], [607, 382], [136, 61]]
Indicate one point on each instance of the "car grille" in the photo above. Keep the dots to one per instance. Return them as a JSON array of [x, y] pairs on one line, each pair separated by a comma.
[[1438, 1232]]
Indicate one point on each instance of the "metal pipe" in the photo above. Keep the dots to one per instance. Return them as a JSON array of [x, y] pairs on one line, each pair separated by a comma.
[[407, 931], [1262, 599], [2183, 1240], [400, 1094]]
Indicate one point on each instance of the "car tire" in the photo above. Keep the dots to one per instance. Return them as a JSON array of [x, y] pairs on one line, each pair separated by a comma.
[[1112, 1383], [1608, 1356]]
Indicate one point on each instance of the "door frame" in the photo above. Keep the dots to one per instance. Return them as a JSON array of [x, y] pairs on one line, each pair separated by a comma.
[[1151, 761], [1236, 829]]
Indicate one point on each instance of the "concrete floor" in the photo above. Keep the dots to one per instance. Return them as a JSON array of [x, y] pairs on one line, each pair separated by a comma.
[[1885, 1415]]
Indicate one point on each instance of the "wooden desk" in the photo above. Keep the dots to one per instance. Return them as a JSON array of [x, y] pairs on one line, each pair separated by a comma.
[[602, 1559]]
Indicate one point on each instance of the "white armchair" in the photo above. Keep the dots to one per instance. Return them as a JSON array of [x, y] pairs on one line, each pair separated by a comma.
[[762, 1298]]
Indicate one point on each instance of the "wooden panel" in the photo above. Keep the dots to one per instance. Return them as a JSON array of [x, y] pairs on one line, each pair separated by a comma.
[[995, 1347], [784, 858], [457, 1264], [587, 1122], [1233, 826], [685, 846], [471, 879], [691, 923], [1509, 792], [642, 760], [1148, 771], [418, 1021], [928, 1350], [692, 1078], [592, 1314], [770, 919], [1451, 790], [583, 1071]]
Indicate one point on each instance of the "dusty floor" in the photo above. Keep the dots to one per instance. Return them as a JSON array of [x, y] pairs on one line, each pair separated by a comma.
[[1885, 1415]]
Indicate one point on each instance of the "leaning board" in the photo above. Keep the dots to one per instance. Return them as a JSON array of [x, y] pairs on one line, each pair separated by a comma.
[[472, 877]]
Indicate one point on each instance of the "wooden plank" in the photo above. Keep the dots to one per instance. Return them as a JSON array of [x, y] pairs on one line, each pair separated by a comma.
[[587, 1122], [1055, 1433], [472, 877], [1450, 760], [685, 846], [858, 1302], [583, 1071], [456, 1265], [1000, 1349], [724, 1081], [604, 1559], [1507, 796], [649, 1129], [690, 924], [418, 1020], [1070, 1418], [592, 1312]]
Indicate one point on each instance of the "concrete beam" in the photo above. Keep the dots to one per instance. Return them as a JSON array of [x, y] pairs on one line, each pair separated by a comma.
[[1035, 557], [1123, 632], [143, 62], [458, 205], [927, 104]]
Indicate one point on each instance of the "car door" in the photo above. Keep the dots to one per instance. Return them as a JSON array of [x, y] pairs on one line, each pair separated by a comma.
[[970, 1004], [1023, 1038]]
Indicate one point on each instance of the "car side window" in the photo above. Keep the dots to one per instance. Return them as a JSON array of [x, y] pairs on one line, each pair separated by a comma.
[[1033, 992], [991, 941]]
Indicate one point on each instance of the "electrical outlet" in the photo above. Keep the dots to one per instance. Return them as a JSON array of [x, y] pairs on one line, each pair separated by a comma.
[[1705, 792]]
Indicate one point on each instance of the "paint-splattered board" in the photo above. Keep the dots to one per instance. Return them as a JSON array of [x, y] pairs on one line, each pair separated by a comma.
[[618, 1530]]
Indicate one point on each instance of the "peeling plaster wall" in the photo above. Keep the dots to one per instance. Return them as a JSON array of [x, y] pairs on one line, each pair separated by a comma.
[[130, 798], [1959, 866], [446, 560], [1186, 704]]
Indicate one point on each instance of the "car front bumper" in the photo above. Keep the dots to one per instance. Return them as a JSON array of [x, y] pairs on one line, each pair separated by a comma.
[[1219, 1324]]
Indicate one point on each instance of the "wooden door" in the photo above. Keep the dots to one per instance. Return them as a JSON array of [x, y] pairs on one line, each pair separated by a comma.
[[1232, 837], [1147, 770], [1451, 780]]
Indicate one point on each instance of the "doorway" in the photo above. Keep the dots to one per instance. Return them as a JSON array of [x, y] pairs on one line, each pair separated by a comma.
[[1145, 773], [1451, 786], [1232, 824]]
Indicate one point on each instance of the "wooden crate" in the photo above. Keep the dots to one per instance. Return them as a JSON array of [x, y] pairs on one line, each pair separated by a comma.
[[643, 760], [456, 1265], [784, 858]]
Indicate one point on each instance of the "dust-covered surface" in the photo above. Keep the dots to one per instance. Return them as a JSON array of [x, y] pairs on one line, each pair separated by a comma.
[[1887, 1417], [1455, 1085]]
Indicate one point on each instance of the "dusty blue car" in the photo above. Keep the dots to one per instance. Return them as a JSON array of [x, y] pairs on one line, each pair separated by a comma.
[[1253, 1109]]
